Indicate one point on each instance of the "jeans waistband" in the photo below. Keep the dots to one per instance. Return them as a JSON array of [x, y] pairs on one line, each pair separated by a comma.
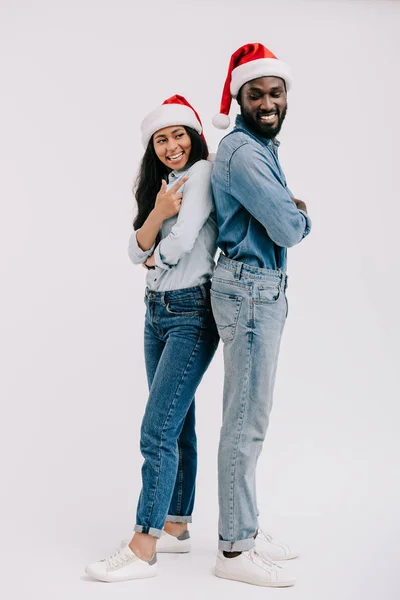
[[242, 270], [198, 291]]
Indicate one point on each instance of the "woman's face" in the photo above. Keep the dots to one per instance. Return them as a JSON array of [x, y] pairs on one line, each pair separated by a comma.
[[172, 146]]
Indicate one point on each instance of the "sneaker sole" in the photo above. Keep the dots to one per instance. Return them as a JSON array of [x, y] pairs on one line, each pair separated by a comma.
[[232, 577], [104, 580]]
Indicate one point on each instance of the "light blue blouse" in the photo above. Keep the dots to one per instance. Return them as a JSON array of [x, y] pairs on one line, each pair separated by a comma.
[[185, 256]]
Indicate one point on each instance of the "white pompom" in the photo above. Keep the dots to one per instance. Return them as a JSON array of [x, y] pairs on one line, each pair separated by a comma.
[[221, 121]]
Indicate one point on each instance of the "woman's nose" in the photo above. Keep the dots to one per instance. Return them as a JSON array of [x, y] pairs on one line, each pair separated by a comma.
[[172, 145]]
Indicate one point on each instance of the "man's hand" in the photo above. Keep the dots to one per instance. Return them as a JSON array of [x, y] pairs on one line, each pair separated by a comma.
[[300, 204]]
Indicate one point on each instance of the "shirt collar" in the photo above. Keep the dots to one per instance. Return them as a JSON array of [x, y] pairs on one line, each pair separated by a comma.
[[176, 174], [240, 124]]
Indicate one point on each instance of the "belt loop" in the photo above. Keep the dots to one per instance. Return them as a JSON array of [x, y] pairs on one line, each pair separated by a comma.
[[238, 270], [203, 291]]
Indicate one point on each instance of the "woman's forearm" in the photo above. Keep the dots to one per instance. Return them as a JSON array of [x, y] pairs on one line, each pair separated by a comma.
[[147, 234]]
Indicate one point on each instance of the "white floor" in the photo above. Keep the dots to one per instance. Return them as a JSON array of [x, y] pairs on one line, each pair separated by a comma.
[[351, 556]]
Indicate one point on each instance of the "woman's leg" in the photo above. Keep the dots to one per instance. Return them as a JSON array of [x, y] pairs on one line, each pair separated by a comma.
[[188, 351], [181, 507], [182, 502]]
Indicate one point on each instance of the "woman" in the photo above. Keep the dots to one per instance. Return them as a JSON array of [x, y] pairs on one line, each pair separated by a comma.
[[174, 237]]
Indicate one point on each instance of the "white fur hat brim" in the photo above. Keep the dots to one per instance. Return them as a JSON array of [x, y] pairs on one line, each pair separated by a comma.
[[168, 115], [262, 67]]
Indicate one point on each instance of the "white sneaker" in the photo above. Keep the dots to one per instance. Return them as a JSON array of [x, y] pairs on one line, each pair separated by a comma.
[[252, 567], [122, 566], [265, 543], [170, 544]]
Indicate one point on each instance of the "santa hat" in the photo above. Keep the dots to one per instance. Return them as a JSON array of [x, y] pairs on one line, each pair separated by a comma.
[[248, 62], [173, 111]]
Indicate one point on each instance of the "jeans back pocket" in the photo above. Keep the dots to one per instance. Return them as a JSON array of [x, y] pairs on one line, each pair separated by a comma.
[[226, 309]]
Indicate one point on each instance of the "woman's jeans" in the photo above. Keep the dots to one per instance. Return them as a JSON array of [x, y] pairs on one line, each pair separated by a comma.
[[180, 340], [250, 308]]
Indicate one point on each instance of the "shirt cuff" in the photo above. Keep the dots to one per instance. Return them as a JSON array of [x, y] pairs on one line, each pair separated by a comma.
[[136, 254], [307, 228], [159, 259]]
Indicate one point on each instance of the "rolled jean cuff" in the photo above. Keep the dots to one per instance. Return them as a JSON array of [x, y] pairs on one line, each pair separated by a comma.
[[175, 519], [150, 530], [238, 546]]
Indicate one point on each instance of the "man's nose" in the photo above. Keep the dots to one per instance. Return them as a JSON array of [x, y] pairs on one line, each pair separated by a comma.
[[267, 103]]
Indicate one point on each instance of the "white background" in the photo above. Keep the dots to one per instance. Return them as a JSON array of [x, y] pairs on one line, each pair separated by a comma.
[[76, 80]]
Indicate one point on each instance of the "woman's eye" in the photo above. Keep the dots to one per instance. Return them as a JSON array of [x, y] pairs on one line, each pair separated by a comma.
[[179, 135]]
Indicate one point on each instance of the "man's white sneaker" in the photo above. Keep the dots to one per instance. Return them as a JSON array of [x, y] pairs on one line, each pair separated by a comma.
[[122, 566], [252, 567], [170, 544], [265, 543]]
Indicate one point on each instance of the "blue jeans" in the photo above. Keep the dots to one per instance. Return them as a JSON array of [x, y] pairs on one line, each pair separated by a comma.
[[180, 340], [250, 309]]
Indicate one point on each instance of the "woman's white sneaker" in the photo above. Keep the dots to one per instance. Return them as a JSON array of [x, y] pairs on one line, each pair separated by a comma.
[[170, 544], [122, 566], [265, 543], [252, 567]]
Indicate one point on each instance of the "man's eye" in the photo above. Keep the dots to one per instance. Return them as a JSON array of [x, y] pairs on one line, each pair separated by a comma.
[[254, 97]]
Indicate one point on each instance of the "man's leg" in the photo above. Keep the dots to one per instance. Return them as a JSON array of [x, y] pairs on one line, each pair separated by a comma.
[[250, 315]]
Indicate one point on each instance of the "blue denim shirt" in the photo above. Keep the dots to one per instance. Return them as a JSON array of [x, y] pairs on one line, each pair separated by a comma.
[[257, 220]]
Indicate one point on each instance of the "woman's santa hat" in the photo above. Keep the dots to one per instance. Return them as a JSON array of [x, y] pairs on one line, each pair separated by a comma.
[[248, 62], [173, 111]]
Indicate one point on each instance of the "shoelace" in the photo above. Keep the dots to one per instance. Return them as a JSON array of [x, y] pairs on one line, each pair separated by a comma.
[[118, 559], [261, 560], [266, 536]]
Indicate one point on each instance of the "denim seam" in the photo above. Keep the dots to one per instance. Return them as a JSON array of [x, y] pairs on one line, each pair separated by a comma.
[[175, 398], [228, 170], [180, 479], [239, 433]]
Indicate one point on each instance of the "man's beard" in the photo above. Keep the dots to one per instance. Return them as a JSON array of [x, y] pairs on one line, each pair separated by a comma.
[[263, 129]]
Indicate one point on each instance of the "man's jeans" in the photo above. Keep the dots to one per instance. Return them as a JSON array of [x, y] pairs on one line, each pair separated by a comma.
[[180, 341], [250, 308]]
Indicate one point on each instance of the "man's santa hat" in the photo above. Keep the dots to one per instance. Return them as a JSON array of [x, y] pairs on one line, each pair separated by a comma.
[[173, 111], [248, 62]]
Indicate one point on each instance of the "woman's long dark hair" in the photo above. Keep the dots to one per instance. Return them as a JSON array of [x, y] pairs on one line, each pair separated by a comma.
[[152, 171]]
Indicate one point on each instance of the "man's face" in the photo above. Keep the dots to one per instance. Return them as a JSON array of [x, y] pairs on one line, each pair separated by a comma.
[[263, 103]]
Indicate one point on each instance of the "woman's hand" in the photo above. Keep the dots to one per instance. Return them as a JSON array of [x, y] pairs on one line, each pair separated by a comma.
[[169, 203], [150, 262]]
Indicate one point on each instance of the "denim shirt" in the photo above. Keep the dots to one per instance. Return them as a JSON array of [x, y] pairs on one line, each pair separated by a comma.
[[257, 220], [185, 255]]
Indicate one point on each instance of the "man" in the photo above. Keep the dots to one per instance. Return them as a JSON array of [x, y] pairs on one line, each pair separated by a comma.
[[258, 219]]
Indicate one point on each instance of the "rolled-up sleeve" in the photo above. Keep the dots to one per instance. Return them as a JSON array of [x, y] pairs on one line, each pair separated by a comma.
[[135, 253], [197, 204]]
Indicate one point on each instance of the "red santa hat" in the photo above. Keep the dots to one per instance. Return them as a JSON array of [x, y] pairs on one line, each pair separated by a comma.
[[248, 62], [173, 111]]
